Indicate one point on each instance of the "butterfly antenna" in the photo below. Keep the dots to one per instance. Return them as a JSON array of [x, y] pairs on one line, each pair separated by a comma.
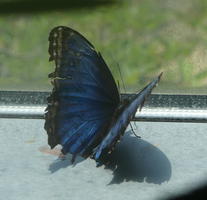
[[122, 80], [118, 85]]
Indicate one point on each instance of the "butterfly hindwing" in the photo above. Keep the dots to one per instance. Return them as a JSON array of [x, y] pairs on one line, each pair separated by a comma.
[[84, 96], [123, 115]]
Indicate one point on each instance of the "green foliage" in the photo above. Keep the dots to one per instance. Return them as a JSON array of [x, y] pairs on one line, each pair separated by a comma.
[[144, 37]]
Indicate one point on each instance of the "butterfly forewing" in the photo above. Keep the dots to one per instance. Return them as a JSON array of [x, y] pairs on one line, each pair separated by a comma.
[[84, 96]]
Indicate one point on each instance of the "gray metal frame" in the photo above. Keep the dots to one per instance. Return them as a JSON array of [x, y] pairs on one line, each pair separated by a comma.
[[158, 107]]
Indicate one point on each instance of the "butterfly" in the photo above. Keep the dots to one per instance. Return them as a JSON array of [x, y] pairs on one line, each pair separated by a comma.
[[85, 113]]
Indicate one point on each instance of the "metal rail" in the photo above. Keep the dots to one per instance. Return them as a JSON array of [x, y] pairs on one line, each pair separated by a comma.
[[158, 107]]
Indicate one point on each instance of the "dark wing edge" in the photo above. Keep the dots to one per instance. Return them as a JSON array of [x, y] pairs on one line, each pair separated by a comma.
[[53, 38], [52, 107]]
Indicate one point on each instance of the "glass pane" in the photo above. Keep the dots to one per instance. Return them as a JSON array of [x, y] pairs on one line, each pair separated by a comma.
[[142, 37]]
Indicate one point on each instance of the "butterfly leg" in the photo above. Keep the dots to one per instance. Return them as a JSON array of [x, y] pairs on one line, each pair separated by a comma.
[[135, 125], [73, 158], [134, 131]]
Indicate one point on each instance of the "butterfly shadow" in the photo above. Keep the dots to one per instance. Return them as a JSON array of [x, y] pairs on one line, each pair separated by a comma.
[[135, 159], [64, 163]]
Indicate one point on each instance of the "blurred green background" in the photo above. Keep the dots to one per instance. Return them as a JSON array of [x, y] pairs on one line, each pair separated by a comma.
[[143, 37]]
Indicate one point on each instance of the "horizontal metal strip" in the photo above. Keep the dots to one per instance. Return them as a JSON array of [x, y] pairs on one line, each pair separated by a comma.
[[158, 107], [146, 114]]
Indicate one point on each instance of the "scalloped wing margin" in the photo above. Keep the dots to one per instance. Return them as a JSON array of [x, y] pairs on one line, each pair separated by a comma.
[[84, 96]]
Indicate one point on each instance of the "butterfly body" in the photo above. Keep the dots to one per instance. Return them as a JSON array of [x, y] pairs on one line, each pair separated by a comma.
[[85, 114]]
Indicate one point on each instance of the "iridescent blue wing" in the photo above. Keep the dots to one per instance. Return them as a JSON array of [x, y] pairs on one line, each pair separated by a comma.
[[122, 117], [84, 96]]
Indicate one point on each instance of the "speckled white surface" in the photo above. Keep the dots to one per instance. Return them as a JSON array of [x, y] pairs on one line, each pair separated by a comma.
[[168, 159]]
